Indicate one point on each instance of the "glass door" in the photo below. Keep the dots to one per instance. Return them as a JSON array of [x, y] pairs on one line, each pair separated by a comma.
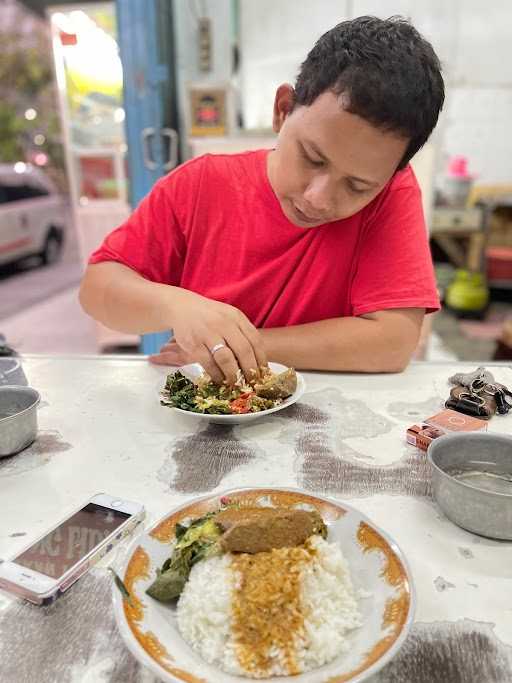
[[146, 43]]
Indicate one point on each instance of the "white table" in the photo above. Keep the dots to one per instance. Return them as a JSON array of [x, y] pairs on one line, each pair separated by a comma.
[[101, 429]]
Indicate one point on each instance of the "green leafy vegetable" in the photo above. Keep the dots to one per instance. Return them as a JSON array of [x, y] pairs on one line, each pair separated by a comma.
[[177, 382], [179, 392], [193, 543], [121, 587], [180, 529]]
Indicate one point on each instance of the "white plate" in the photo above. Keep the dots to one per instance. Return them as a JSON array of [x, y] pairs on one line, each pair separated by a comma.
[[195, 370], [377, 566]]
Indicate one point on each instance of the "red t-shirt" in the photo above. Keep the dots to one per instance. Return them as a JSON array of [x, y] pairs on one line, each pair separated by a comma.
[[214, 226]]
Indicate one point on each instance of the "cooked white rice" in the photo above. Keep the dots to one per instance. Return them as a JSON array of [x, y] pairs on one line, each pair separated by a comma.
[[328, 603]]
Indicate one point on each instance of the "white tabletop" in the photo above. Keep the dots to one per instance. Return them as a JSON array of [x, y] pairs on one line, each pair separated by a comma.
[[102, 429]]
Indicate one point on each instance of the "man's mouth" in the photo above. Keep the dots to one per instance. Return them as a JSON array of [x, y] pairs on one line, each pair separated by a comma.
[[306, 218]]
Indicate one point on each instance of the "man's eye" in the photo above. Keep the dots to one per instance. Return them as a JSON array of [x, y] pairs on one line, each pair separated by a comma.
[[356, 190], [312, 162], [315, 162]]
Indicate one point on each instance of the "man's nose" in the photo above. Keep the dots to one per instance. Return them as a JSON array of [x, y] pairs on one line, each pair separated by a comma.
[[319, 196]]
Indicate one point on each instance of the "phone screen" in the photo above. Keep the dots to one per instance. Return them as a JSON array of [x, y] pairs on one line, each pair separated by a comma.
[[68, 543]]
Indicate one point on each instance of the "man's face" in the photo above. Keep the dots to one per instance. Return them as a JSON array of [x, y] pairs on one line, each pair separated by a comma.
[[328, 164]]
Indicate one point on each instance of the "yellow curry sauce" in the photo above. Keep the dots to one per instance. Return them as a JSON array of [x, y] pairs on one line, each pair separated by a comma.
[[266, 609]]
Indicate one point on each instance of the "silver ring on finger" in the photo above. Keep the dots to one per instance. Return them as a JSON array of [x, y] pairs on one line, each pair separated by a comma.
[[217, 347]]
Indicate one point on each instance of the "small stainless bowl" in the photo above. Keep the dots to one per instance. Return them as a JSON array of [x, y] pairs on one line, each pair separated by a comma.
[[18, 418], [8, 368], [472, 481]]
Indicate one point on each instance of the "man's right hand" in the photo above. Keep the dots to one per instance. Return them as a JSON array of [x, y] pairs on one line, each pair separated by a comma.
[[216, 335]]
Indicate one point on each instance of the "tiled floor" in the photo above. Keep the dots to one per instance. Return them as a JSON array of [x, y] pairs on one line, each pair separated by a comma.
[[472, 339], [57, 325]]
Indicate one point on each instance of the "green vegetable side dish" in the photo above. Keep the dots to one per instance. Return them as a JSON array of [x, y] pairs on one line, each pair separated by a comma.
[[233, 529], [206, 397], [193, 543]]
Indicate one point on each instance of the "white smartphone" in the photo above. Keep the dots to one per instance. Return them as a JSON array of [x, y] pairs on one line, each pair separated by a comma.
[[44, 570]]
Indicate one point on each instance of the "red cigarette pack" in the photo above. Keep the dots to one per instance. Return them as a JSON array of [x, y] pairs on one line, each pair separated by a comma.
[[442, 423]]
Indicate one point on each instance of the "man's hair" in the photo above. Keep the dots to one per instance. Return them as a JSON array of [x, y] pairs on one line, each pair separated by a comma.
[[389, 73]]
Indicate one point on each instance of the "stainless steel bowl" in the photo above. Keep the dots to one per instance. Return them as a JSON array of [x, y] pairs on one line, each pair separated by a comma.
[[8, 368], [18, 418], [472, 481]]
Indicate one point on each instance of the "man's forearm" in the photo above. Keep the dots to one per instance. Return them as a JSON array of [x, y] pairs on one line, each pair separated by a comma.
[[122, 300], [345, 344]]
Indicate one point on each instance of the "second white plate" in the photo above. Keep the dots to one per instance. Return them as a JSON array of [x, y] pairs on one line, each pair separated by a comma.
[[195, 370]]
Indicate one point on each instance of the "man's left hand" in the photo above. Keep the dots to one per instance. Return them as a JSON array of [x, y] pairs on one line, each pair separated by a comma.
[[171, 353]]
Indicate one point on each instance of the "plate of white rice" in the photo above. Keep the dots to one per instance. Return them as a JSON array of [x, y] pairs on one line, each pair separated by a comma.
[[333, 609]]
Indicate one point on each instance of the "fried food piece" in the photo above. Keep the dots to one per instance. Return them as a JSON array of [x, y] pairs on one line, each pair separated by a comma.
[[278, 386], [254, 530]]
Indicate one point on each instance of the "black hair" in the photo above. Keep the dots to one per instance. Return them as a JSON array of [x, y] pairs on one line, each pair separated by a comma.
[[389, 72]]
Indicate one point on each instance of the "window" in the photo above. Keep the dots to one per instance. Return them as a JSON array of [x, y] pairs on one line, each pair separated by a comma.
[[14, 193]]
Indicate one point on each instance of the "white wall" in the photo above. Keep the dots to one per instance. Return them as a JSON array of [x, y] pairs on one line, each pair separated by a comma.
[[472, 39], [479, 112], [275, 36], [186, 49]]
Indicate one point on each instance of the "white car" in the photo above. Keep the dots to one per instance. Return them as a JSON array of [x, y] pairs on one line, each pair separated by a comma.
[[32, 215]]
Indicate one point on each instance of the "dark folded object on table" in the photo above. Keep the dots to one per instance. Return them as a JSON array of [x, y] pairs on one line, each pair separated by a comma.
[[478, 394], [477, 405]]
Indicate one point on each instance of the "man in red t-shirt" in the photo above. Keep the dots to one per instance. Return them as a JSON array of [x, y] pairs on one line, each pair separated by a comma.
[[313, 254]]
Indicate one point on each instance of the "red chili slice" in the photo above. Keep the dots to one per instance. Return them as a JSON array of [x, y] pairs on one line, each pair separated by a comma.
[[242, 404]]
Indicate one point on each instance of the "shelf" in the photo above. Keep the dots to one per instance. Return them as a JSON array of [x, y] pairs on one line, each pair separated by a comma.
[[500, 284]]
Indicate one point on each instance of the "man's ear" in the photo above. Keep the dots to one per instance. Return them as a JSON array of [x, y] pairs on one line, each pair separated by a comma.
[[283, 105]]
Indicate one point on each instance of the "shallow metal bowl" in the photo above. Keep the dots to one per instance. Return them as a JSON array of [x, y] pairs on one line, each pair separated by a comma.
[[9, 367], [18, 418], [472, 481]]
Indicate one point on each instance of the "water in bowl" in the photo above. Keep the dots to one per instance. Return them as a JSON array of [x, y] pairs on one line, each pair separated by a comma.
[[483, 475]]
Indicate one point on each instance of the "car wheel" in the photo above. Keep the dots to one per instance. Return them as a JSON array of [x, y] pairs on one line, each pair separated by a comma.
[[52, 250]]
